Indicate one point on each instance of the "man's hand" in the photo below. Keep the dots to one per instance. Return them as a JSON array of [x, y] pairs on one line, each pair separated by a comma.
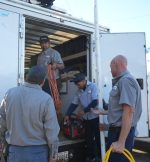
[[103, 127], [2, 147], [80, 114], [54, 66], [118, 147], [99, 111], [52, 160], [96, 111], [66, 119]]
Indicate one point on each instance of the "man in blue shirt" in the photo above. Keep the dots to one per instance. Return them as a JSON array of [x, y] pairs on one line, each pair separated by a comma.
[[87, 96]]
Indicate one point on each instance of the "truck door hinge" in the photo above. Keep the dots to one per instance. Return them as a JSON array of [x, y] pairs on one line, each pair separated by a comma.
[[94, 45], [21, 26]]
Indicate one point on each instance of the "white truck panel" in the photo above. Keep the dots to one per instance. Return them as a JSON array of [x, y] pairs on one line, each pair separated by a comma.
[[132, 45], [148, 82], [9, 26], [60, 19]]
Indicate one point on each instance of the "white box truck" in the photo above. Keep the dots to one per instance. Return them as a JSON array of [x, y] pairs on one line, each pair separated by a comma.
[[21, 25]]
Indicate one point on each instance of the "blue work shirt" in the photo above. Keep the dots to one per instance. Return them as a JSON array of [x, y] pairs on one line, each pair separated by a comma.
[[85, 97], [125, 90]]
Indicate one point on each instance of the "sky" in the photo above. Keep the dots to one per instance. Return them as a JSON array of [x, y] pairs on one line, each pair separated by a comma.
[[117, 15]]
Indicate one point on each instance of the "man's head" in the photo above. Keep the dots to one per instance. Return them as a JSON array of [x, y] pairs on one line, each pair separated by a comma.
[[80, 81], [44, 42], [36, 75], [118, 65]]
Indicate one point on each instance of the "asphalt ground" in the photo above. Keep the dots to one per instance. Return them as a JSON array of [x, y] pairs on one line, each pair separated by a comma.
[[141, 150], [141, 156]]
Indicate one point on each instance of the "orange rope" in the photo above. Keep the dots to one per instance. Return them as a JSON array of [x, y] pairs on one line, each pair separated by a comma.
[[53, 86]]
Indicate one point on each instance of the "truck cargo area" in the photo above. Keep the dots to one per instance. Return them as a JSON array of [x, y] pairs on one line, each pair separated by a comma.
[[71, 44], [73, 47]]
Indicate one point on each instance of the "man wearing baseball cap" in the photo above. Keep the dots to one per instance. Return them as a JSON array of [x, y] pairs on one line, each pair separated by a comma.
[[87, 97], [28, 121], [50, 56]]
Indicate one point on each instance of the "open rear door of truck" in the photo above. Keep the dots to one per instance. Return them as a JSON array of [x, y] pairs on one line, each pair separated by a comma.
[[9, 32], [131, 45]]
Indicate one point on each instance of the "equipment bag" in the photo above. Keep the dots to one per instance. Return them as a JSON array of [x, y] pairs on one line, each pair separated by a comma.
[[74, 128]]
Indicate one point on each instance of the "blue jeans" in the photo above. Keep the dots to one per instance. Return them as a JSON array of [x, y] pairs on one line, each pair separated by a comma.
[[28, 153], [113, 135]]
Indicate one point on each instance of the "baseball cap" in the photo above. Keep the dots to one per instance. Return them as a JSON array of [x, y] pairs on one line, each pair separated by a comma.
[[36, 74], [44, 39], [79, 77]]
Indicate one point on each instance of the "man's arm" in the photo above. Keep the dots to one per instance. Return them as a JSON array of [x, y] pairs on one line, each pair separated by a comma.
[[57, 66], [57, 63], [71, 109], [99, 111], [73, 105], [60, 66], [94, 96], [3, 127], [127, 117], [93, 104], [51, 128]]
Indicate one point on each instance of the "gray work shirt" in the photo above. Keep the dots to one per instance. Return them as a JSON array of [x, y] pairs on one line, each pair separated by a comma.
[[30, 117], [85, 97], [50, 56], [125, 90]]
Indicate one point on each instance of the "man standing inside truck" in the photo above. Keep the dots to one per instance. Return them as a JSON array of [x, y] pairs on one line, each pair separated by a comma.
[[50, 56], [124, 109], [87, 96], [28, 121]]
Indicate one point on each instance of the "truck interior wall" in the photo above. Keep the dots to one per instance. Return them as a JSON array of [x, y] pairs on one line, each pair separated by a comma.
[[73, 54], [73, 47]]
